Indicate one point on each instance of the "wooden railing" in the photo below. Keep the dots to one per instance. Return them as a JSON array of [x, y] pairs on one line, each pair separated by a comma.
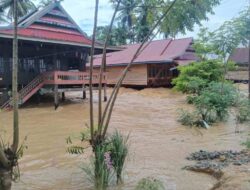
[[69, 77], [55, 77]]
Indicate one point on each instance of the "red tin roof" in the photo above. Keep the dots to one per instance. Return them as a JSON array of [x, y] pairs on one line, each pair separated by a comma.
[[51, 24], [159, 51]]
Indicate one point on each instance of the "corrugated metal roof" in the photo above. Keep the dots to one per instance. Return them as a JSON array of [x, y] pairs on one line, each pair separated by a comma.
[[48, 24], [240, 55], [158, 51], [49, 35]]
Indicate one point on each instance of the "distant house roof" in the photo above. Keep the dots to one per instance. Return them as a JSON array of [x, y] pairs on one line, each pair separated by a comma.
[[240, 55], [50, 24], [159, 51]]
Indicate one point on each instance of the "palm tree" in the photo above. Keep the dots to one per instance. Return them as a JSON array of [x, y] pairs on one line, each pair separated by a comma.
[[44, 3], [127, 16], [23, 7]]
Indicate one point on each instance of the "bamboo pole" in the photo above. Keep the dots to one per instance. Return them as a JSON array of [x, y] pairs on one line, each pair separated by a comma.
[[91, 73], [103, 68], [115, 91]]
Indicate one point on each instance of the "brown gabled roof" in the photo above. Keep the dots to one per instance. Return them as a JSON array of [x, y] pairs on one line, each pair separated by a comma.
[[240, 55], [159, 51]]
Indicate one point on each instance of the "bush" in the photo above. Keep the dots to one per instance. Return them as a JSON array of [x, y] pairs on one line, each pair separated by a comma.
[[196, 76], [150, 184], [247, 143], [243, 114], [214, 102], [188, 119]]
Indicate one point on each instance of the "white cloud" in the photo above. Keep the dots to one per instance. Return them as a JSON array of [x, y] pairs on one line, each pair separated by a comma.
[[82, 11]]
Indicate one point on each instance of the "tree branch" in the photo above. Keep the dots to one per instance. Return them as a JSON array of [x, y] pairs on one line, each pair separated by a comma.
[[103, 66], [91, 73], [118, 84]]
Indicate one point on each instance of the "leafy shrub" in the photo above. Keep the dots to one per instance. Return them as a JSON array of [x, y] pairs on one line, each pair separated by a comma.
[[188, 118], [119, 152], [243, 114], [247, 143], [150, 184], [214, 102], [196, 76], [190, 99]]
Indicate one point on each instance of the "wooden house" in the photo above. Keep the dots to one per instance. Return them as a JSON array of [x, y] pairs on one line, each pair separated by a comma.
[[240, 57], [53, 51], [155, 66]]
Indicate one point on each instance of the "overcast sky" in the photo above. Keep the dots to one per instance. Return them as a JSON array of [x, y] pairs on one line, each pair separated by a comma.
[[82, 12]]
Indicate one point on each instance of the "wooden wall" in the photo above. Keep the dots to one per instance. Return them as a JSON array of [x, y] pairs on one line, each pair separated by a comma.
[[36, 58], [137, 75]]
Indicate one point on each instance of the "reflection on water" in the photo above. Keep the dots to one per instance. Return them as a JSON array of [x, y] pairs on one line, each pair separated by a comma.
[[158, 144]]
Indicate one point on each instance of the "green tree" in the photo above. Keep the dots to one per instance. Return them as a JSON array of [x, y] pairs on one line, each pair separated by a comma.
[[185, 15], [44, 3], [23, 7], [139, 15], [146, 12], [127, 17], [118, 35], [196, 76]]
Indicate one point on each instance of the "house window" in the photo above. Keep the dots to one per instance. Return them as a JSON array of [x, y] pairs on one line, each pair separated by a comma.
[[159, 71]]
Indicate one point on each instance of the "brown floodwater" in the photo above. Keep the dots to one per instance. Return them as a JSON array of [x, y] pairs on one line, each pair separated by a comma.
[[158, 143]]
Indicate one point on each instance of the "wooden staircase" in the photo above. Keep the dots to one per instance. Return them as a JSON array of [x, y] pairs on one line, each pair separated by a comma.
[[53, 78], [28, 91]]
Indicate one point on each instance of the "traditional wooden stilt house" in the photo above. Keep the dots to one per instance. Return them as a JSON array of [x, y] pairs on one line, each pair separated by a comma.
[[53, 52], [155, 65]]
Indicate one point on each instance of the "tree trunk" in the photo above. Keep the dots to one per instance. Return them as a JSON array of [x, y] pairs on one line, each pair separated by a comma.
[[5, 179], [249, 68], [15, 83], [92, 52]]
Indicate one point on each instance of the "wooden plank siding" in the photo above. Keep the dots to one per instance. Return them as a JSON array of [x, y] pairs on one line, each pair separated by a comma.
[[136, 76], [36, 58]]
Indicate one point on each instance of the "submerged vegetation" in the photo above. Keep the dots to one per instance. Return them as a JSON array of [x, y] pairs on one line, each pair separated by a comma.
[[150, 184]]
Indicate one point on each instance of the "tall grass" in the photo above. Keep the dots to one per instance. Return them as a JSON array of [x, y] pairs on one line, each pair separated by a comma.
[[119, 152]]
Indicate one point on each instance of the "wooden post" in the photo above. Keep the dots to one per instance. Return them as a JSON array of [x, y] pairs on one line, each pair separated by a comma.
[[56, 100], [63, 96], [38, 97], [83, 91], [105, 92]]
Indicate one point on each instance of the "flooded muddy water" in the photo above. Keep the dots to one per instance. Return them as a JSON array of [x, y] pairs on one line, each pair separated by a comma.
[[158, 143]]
